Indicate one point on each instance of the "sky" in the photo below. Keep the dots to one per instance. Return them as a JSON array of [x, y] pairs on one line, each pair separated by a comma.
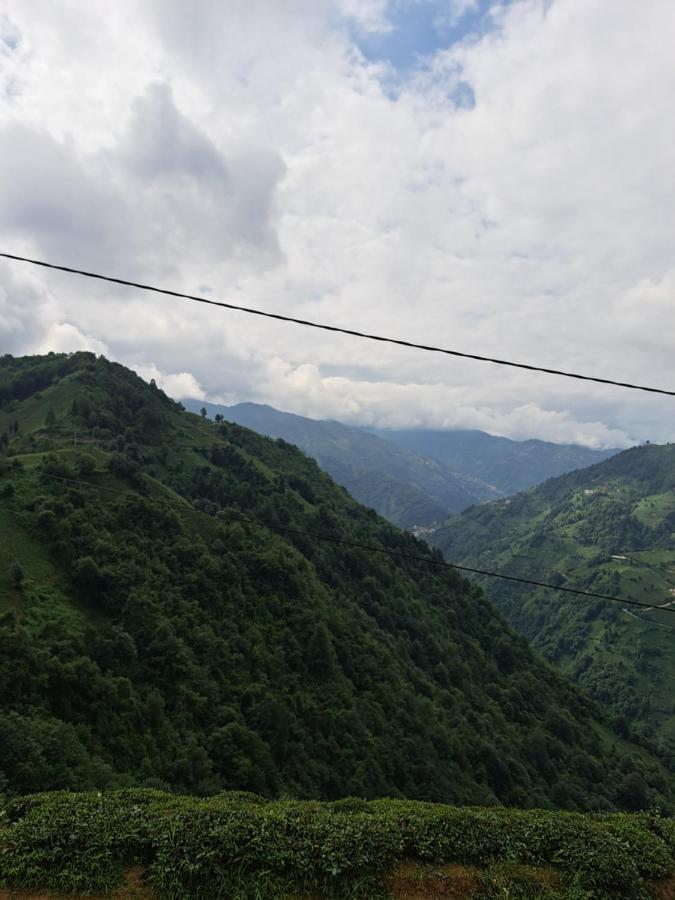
[[492, 177]]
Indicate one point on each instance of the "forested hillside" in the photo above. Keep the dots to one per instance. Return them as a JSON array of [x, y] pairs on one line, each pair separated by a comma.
[[402, 486], [609, 528], [151, 635], [510, 466]]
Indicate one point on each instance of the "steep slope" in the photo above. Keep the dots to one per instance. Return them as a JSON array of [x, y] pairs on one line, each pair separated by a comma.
[[402, 486], [155, 632], [609, 528], [510, 466]]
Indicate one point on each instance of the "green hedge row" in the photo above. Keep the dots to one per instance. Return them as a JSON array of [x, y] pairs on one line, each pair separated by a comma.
[[238, 845]]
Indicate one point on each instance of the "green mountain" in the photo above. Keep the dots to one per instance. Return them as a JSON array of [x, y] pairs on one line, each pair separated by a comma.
[[402, 486], [510, 466], [611, 529], [155, 632]]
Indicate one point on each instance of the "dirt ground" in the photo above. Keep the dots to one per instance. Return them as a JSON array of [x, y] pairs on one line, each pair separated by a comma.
[[132, 889], [409, 882]]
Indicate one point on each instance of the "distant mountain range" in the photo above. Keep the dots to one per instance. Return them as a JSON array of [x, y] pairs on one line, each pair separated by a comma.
[[610, 529], [508, 465], [401, 485], [413, 478]]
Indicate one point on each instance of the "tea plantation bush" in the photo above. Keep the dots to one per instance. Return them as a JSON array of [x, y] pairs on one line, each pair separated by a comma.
[[239, 845]]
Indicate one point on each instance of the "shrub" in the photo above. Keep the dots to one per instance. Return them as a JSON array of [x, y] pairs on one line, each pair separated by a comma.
[[237, 844]]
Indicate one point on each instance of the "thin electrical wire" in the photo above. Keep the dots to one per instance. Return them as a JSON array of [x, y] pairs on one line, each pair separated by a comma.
[[447, 565], [388, 552], [336, 329]]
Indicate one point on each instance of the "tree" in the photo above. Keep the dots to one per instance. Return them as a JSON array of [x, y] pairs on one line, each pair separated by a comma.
[[16, 574], [85, 464], [631, 794], [203, 412], [320, 654], [242, 759]]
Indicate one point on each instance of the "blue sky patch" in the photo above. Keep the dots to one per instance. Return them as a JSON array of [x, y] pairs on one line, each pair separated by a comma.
[[419, 29]]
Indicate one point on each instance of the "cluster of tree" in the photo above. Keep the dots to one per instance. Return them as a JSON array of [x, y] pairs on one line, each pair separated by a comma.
[[184, 645]]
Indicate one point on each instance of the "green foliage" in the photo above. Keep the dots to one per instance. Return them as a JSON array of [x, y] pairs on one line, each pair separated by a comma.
[[165, 640], [609, 529], [236, 845]]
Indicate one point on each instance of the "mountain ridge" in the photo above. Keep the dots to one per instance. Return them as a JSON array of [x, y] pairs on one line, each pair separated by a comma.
[[407, 489], [151, 637], [510, 465], [429, 475]]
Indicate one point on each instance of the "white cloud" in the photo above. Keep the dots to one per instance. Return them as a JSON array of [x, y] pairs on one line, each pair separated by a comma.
[[247, 150], [430, 405], [67, 338], [179, 385], [370, 15]]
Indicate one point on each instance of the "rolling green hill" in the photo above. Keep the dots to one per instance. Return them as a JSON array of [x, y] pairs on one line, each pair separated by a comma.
[[510, 466], [402, 486], [155, 632], [609, 528]]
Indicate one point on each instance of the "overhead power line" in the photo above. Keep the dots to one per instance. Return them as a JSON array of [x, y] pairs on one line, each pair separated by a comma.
[[337, 329], [372, 548], [442, 563]]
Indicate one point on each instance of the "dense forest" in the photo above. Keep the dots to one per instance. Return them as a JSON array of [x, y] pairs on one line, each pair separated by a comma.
[[163, 623], [610, 529]]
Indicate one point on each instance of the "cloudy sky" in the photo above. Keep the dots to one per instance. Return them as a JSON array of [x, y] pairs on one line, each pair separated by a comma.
[[494, 177]]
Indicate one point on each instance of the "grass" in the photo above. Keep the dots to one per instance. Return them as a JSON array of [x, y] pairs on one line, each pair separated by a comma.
[[32, 412], [652, 510], [17, 545]]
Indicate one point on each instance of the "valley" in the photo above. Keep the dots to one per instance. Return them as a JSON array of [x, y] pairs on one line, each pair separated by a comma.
[[408, 489], [413, 478], [611, 529]]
